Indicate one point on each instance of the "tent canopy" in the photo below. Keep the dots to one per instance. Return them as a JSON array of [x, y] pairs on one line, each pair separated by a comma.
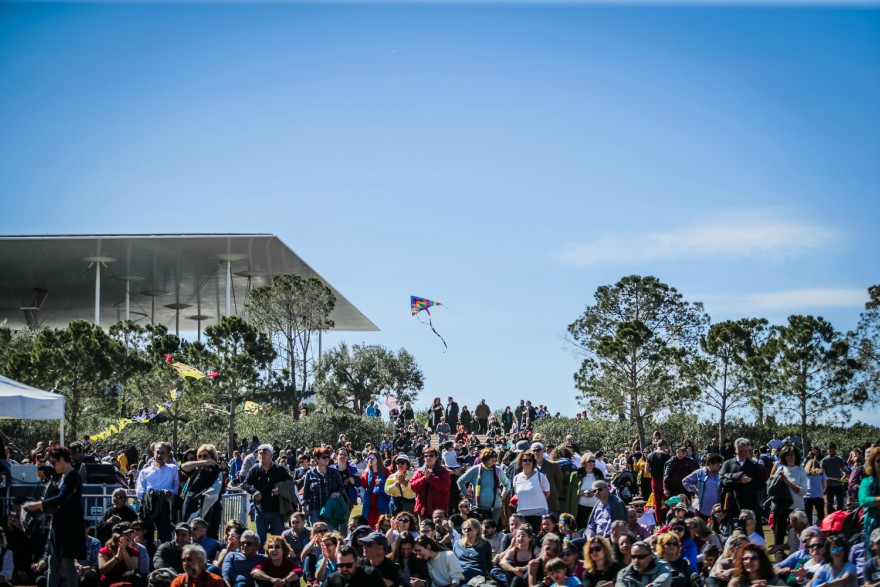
[[23, 402]]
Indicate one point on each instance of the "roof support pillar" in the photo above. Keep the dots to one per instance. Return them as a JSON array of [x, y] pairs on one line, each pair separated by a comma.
[[228, 287], [98, 293]]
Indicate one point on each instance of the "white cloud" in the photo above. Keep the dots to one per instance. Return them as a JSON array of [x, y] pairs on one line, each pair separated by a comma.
[[786, 301], [741, 236]]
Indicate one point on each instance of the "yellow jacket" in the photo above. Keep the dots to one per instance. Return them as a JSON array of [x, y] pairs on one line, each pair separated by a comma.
[[395, 489], [640, 467]]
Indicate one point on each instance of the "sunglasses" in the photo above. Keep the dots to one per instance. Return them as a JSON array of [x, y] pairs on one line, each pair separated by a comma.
[[528, 460], [596, 549], [404, 520], [836, 549], [248, 543], [273, 546], [673, 544], [324, 457], [749, 557], [812, 546], [189, 559], [640, 557], [344, 565]]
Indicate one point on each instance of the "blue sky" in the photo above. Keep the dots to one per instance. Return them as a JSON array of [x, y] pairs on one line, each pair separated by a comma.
[[505, 159]]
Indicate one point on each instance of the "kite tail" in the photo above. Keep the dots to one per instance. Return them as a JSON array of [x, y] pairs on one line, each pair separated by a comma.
[[431, 324]]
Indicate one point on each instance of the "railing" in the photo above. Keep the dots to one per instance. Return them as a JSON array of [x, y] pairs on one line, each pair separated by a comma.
[[98, 498], [235, 507]]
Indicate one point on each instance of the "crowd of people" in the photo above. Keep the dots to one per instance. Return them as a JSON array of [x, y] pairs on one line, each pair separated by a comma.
[[467, 499]]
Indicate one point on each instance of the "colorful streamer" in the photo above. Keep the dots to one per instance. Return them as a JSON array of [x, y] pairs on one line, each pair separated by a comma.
[[185, 370], [422, 305], [144, 416]]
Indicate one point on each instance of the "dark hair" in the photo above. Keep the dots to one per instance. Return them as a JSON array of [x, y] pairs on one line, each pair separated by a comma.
[[765, 567], [430, 544], [714, 459], [837, 540], [59, 452], [346, 550], [787, 451]]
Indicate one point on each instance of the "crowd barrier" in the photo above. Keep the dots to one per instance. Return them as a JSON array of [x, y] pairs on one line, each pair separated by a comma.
[[97, 498], [235, 507]]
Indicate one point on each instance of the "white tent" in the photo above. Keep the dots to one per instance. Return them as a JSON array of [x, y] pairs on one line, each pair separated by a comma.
[[23, 402]]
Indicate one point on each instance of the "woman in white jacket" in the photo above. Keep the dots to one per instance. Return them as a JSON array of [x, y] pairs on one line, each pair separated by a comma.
[[795, 477]]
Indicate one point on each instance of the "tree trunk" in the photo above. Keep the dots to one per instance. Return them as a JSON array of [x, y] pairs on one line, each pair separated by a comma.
[[230, 440], [640, 423]]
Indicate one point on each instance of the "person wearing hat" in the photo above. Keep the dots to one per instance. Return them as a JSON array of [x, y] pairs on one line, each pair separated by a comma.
[[645, 518], [169, 554], [375, 547], [403, 499], [262, 484]]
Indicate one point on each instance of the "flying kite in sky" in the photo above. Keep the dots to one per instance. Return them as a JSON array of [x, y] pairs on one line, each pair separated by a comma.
[[421, 304]]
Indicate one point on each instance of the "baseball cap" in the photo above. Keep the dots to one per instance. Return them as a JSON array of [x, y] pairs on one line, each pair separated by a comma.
[[536, 446], [183, 526], [375, 538]]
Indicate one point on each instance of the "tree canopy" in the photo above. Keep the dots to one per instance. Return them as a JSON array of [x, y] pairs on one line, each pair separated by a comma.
[[633, 340], [351, 377], [292, 310]]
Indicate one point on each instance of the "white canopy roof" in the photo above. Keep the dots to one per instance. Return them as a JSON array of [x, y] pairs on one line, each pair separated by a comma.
[[23, 402]]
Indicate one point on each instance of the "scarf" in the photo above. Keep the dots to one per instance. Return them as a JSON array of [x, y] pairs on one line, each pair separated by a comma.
[[479, 485]]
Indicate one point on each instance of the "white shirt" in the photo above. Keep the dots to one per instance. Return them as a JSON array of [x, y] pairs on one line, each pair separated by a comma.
[[530, 492], [587, 485], [445, 568], [153, 477], [602, 467], [798, 476]]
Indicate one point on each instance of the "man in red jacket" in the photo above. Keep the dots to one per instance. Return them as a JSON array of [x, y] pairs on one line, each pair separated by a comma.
[[431, 484]]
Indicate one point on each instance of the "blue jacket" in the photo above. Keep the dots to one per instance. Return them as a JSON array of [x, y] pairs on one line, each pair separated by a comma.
[[382, 498]]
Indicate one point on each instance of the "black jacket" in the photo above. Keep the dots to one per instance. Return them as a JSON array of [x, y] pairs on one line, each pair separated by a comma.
[[363, 577], [264, 481], [741, 495], [68, 533]]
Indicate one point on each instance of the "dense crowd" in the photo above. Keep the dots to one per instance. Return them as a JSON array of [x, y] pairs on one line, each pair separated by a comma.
[[467, 499]]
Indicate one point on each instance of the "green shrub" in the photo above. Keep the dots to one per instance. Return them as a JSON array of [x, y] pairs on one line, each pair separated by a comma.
[[616, 436]]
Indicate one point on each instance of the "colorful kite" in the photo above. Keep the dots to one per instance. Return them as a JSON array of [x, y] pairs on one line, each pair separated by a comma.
[[421, 304]]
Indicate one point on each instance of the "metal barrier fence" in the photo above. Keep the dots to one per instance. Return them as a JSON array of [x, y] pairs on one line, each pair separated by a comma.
[[98, 498], [235, 507]]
